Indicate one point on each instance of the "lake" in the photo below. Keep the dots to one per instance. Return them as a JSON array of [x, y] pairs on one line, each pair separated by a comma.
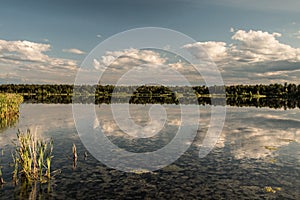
[[256, 156]]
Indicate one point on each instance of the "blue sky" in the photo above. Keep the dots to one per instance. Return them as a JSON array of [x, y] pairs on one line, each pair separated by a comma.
[[73, 28]]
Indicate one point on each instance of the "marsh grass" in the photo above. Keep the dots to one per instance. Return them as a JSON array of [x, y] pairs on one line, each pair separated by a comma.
[[9, 104], [32, 158], [9, 108]]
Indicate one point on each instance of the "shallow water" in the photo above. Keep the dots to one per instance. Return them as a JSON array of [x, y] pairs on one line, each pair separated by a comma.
[[258, 147]]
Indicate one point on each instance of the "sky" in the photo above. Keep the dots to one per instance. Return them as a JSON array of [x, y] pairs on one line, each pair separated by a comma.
[[250, 42]]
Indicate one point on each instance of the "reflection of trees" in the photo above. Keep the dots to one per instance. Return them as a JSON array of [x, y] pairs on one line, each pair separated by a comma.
[[272, 96], [290, 103], [276, 103]]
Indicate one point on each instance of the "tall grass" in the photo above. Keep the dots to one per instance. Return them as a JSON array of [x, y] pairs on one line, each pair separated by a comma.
[[9, 104], [9, 108], [32, 159]]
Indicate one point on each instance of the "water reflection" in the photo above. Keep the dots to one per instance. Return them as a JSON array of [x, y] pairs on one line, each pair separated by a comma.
[[258, 147], [275, 103], [41, 117]]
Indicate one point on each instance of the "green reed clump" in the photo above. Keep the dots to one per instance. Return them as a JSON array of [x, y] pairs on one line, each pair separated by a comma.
[[9, 104], [9, 108], [32, 158]]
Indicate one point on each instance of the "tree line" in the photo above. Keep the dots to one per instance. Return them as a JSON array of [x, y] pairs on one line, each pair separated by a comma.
[[273, 90]]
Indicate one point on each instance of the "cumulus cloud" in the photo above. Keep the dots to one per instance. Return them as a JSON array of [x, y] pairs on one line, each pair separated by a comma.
[[145, 64], [128, 58], [74, 51], [251, 57], [250, 52], [23, 50], [258, 46], [29, 62], [217, 51], [250, 47]]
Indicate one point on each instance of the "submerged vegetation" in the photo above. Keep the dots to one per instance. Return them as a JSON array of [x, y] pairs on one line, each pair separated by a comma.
[[9, 108], [32, 158]]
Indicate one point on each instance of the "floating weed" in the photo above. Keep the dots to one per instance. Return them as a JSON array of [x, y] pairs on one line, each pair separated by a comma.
[[278, 188], [32, 159], [140, 171], [271, 148], [172, 168], [272, 160], [269, 189]]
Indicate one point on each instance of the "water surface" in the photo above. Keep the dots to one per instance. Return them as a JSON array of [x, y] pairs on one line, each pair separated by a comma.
[[258, 148]]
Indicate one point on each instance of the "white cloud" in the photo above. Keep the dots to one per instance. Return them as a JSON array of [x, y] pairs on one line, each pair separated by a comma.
[[74, 51], [128, 58], [24, 50], [29, 62], [231, 30], [114, 64], [217, 51], [258, 46], [251, 46], [178, 65], [250, 55], [99, 36]]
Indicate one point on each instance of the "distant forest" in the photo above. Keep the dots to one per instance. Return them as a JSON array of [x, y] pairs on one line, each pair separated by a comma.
[[273, 95], [273, 90]]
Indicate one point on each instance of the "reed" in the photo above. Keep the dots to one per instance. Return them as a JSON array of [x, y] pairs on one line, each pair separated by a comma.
[[9, 108], [9, 104], [74, 150], [32, 159], [1, 179]]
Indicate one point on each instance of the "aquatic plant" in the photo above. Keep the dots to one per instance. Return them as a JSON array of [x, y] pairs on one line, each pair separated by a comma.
[[9, 109], [32, 159], [269, 189], [74, 150], [9, 104], [140, 171], [271, 148], [1, 179]]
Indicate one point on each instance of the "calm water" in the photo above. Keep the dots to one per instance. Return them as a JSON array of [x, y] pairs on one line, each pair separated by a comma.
[[259, 147]]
